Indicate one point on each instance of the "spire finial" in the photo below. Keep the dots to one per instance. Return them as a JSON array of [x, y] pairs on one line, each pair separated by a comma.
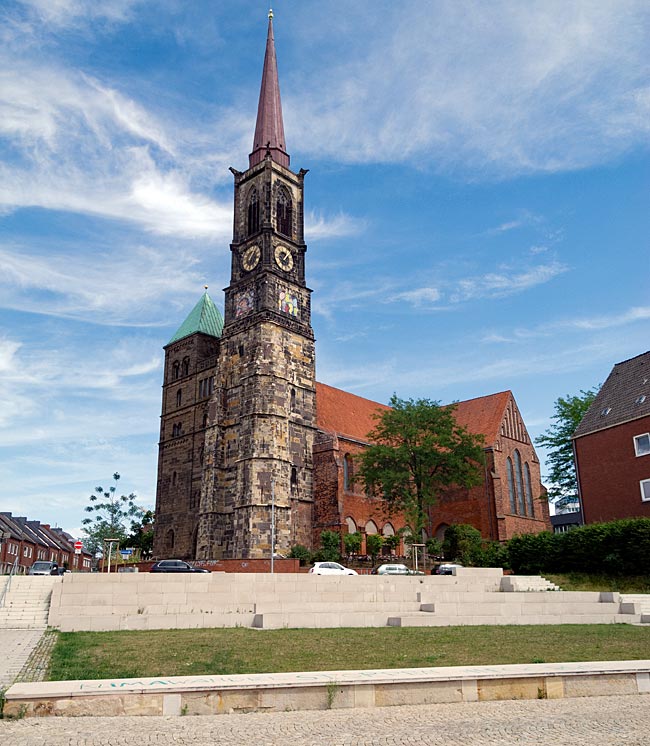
[[205, 287], [269, 128]]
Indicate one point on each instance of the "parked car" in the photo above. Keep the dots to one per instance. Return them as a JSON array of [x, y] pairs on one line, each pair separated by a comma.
[[446, 568], [175, 565], [41, 567], [395, 569], [331, 568]]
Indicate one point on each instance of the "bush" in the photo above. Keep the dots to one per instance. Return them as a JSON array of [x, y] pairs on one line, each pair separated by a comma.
[[494, 554], [615, 548], [373, 545], [463, 543], [300, 552], [330, 547], [352, 543]]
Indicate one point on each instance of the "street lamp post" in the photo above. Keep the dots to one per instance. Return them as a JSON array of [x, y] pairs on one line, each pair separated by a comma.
[[272, 523]]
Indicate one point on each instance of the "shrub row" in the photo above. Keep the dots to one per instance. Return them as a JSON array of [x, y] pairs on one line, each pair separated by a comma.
[[616, 548]]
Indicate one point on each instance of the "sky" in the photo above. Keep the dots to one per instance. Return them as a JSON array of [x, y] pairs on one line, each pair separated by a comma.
[[477, 210]]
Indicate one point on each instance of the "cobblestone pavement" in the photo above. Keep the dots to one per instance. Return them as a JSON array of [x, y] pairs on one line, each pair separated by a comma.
[[16, 646], [606, 721], [35, 669]]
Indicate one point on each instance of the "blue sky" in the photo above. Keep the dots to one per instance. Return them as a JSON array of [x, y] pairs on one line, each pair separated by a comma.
[[477, 206]]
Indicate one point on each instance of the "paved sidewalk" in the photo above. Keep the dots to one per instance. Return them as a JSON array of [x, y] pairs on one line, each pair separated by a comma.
[[16, 646], [606, 721]]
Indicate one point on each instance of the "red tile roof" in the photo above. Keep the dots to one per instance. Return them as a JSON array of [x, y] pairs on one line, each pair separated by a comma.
[[352, 416]]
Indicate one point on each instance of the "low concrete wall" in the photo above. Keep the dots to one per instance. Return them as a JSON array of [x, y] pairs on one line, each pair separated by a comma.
[[214, 695]]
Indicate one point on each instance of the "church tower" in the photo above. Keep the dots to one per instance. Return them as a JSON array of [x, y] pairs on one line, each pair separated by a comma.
[[262, 414]]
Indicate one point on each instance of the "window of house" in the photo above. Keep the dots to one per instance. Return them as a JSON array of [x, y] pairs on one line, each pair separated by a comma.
[[174, 477], [204, 422], [347, 472], [642, 444], [186, 366], [176, 370], [284, 212], [529, 492], [645, 489], [520, 483], [511, 486], [179, 397], [294, 477], [253, 212]]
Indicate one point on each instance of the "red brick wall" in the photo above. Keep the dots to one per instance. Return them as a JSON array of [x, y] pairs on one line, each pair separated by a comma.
[[610, 473]]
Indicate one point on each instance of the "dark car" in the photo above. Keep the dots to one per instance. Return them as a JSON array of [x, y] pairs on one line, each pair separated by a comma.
[[174, 565]]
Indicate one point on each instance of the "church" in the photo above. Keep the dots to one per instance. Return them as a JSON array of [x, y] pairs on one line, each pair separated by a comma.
[[248, 436]]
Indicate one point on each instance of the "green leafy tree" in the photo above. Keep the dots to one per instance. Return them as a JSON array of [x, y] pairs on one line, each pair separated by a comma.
[[352, 543], [141, 536], [374, 543], [462, 543], [418, 450], [392, 542], [110, 515], [300, 552], [330, 547], [569, 411]]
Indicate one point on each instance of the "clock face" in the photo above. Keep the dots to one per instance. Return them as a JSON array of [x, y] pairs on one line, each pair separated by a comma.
[[283, 258], [251, 257]]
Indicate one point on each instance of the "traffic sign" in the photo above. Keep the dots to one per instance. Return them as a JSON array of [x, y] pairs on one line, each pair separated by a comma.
[[126, 552], [78, 546]]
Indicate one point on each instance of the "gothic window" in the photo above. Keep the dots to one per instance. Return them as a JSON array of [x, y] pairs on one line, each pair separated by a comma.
[[511, 486], [284, 213], [173, 479], [176, 370], [170, 538], [352, 526], [520, 483], [253, 212], [371, 527], [529, 492], [293, 399], [294, 477], [206, 387], [177, 430], [204, 422], [347, 472], [179, 397], [186, 366]]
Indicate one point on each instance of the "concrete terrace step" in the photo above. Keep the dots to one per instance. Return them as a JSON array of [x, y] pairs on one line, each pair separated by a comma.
[[433, 620]]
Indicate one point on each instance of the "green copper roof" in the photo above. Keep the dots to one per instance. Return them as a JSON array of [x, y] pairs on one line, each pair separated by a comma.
[[205, 317]]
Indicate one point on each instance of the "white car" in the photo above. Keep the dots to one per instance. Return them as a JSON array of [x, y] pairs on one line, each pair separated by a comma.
[[331, 568]]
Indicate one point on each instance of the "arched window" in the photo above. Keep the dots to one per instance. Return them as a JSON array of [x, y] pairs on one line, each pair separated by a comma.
[[511, 486], [284, 212], [520, 484], [348, 472], [204, 422], [294, 477], [173, 479], [440, 531], [176, 370], [529, 492], [170, 538], [179, 397], [352, 526], [253, 212], [293, 399], [186, 366], [388, 530], [371, 527]]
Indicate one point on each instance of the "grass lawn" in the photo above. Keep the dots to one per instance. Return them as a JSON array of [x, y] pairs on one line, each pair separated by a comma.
[[98, 655]]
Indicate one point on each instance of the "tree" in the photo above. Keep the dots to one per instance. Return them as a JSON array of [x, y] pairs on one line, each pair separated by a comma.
[[330, 547], [352, 543], [569, 411], [110, 515], [418, 450], [141, 536], [374, 544]]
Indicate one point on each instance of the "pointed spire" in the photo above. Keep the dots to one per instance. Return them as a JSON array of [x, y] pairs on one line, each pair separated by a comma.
[[205, 317], [269, 129]]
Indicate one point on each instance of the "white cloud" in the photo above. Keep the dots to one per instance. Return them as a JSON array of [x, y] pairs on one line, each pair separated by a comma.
[[502, 284], [419, 297], [71, 12], [504, 87]]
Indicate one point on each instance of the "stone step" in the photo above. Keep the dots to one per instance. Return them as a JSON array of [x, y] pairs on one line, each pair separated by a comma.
[[292, 620], [432, 620]]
